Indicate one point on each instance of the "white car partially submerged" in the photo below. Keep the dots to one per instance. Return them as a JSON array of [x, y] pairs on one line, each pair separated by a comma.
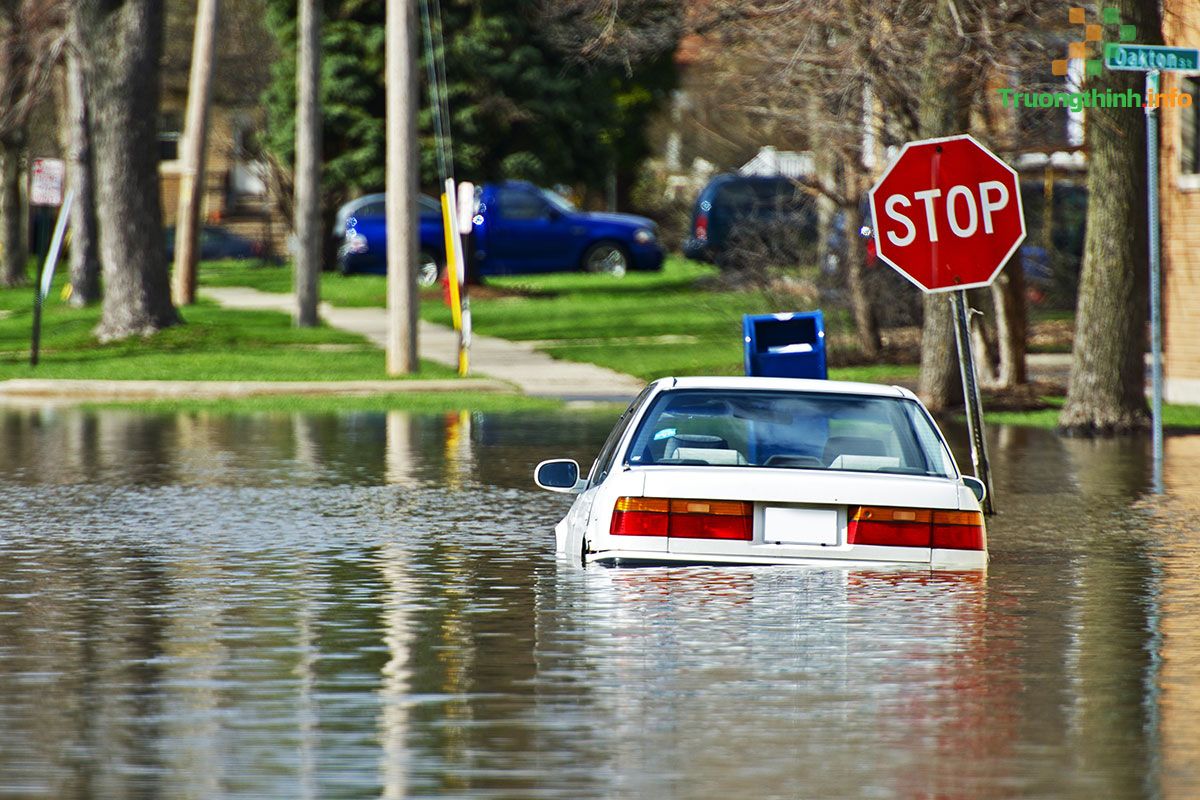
[[771, 471]]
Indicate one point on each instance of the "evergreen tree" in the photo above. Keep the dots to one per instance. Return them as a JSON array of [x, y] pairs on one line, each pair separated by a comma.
[[519, 107]]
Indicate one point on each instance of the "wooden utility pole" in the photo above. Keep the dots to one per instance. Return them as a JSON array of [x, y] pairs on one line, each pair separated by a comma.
[[307, 220], [401, 188], [195, 141]]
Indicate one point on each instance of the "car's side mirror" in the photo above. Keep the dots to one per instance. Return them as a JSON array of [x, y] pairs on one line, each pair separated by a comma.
[[976, 486], [559, 475]]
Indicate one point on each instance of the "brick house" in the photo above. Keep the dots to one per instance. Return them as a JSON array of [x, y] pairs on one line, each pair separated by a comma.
[[232, 180], [1180, 183]]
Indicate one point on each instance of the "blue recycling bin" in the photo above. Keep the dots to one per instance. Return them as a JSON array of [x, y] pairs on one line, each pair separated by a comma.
[[785, 345]]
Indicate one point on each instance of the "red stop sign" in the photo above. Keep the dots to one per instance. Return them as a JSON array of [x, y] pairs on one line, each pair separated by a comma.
[[947, 214]]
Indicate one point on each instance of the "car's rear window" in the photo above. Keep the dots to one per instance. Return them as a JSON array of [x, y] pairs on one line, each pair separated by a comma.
[[755, 428], [760, 195]]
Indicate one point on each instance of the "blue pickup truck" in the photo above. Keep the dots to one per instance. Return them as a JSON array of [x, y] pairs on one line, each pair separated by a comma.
[[519, 228]]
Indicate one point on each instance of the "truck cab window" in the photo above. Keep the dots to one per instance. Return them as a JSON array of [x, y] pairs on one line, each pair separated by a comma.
[[519, 204]]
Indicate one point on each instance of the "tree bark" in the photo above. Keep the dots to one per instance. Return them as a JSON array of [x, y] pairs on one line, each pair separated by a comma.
[[14, 249], [120, 57], [85, 251], [866, 321], [1008, 296], [947, 90], [984, 348], [1106, 392], [307, 223]]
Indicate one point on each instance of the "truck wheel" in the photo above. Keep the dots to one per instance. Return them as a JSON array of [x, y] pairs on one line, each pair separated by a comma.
[[606, 258], [427, 270]]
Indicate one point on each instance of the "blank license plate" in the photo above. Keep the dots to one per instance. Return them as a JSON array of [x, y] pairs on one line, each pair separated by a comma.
[[813, 526]]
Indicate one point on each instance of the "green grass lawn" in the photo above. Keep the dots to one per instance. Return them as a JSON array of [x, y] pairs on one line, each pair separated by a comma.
[[215, 344], [645, 324], [1174, 417], [353, 291]]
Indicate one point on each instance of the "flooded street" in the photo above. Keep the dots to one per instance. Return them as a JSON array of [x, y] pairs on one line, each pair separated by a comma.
[[369, 605]]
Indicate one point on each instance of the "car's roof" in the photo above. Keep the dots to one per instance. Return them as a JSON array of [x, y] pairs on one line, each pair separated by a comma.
[[787, 385]]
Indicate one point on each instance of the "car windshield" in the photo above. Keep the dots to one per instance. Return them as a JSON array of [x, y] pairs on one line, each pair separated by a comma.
[[558, 201], [825, 431]]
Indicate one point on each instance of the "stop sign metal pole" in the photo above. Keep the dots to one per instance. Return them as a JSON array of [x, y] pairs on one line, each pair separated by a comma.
[[971, 399], [942, 179]]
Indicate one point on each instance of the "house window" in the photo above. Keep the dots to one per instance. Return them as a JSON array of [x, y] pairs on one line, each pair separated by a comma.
[[170, 126], [1189, 129]]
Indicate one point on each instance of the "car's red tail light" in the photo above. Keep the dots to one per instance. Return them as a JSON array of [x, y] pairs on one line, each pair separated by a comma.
[[892, 527], [640, 516], [702, 227], [916, 527], [958, 530], [711, 519], [683, 519]]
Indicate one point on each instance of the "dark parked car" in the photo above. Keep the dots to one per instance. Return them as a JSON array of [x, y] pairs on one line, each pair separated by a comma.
[[219, 243], [741, 211], [1052, 277]]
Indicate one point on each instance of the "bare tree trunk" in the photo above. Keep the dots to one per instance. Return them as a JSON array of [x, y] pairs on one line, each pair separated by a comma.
[[1106, 393], [946, 94], [14, 249], [191, 185], [983, 347], [308, 163], [85, 250], [120, 58], [866, 321], [1008, 296], [825, 174]]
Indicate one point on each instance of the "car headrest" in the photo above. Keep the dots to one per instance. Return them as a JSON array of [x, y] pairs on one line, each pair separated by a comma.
[[852, 446], [694, 440]]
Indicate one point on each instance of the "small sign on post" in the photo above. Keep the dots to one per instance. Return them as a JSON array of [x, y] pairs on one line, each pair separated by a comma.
[[46, 182], [947, 215]]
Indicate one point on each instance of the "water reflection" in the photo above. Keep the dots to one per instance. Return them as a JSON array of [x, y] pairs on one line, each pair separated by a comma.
[[367, 605]]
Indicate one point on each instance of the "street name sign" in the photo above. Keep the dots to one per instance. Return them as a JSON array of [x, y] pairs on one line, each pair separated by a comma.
[[1149, 57], [947, 214]]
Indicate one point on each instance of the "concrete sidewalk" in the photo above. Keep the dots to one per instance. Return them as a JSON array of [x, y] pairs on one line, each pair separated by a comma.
[[535, 373]]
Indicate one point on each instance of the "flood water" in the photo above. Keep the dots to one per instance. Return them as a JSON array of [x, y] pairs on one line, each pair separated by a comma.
[[368, 605]]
